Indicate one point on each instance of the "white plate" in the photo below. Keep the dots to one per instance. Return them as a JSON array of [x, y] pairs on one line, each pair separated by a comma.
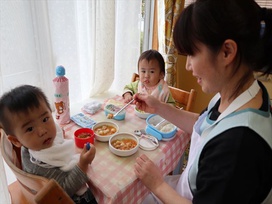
[[146, 144], [168, 139], [142, 115]]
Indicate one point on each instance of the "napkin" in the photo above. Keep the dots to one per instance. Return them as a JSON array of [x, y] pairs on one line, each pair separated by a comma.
[[92, 107]]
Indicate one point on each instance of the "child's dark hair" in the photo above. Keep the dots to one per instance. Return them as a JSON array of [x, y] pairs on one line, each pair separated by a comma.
[[153, 54], [211, 22], [20, 99]]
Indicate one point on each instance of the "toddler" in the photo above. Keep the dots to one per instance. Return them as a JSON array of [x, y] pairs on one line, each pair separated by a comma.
[[26, 117], [151, 68]]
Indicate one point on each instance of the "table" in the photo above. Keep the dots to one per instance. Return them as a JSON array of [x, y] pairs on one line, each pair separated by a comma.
[[112, 178]]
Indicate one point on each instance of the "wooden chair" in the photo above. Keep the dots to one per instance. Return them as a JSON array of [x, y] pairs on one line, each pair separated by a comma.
[[30, 188], [183, 98]]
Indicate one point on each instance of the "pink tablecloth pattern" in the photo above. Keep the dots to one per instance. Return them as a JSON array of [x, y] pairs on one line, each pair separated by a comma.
[[112, 178]]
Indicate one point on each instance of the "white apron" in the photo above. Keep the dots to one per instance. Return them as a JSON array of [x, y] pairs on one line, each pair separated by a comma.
[[197, 141]]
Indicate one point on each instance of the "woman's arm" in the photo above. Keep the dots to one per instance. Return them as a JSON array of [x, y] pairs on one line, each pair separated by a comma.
[[185, 120]]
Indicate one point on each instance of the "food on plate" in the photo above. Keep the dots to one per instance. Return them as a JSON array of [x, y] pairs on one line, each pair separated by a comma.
[[124, 144], [113, 108], [139, 110], [110, 116], [167, 128], [105, 130], [84, 135]]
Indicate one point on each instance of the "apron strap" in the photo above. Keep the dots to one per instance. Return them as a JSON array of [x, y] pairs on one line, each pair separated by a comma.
[[241, 100]]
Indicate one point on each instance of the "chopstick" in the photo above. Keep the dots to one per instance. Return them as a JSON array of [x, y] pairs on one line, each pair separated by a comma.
[[115, 114]]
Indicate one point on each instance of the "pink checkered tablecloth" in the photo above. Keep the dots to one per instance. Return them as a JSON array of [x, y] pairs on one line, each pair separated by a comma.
[[112, 178]]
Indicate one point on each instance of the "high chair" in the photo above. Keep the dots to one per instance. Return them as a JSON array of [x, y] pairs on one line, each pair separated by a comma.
[[182, 98], [30, 188]]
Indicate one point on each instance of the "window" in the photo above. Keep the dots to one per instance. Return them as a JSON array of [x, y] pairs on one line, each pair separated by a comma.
[[267, 4], [147, 24], [98, 42]]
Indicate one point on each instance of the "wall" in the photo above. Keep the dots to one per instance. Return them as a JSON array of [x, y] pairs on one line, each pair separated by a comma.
[[268, 85], [186, 81], [267, 81]]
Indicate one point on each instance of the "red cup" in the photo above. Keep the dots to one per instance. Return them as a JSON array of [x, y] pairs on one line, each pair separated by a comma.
[[82, 136]]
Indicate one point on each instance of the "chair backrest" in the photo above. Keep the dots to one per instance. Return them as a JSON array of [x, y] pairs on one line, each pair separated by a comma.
[[30, 185], [182, 98], [135, 77], [185, 99]]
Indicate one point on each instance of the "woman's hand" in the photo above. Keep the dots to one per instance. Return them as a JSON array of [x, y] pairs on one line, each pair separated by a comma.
[[86, 157], [148, 172], [147, 103]]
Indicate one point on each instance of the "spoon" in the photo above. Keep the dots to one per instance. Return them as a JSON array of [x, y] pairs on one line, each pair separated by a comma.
[[110, 115], [140, 133], [115, 114]]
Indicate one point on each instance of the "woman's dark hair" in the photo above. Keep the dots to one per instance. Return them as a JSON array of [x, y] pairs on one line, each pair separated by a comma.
[[211, 22], [20, 99], [153, 54]]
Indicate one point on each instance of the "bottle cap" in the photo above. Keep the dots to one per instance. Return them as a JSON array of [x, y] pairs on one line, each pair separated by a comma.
[[60, 71]]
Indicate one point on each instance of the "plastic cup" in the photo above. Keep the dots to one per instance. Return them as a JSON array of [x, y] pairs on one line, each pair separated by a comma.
[[82, 136]]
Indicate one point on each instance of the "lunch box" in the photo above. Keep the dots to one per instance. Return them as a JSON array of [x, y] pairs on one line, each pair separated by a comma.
[[112, 109], [152, 121]]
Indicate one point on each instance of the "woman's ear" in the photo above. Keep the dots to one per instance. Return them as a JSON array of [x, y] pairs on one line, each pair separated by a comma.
[[229, 51], [14, 141]]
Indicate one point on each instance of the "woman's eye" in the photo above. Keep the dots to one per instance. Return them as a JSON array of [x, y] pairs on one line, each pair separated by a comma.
[[45, 119]]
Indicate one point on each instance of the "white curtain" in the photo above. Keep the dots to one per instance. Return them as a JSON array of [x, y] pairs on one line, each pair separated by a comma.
[[97, 41]]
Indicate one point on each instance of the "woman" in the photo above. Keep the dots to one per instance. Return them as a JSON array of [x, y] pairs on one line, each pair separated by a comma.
[[230, 158]]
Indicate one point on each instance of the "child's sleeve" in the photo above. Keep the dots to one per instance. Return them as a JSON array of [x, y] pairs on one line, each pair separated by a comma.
[[131, 88]]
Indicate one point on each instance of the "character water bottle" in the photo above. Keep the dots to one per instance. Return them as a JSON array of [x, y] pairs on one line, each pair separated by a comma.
[[61, 96]]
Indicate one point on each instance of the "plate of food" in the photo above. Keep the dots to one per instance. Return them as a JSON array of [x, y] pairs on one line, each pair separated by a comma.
[[104, 130], [140, 113], [124, 144], [111, 109]]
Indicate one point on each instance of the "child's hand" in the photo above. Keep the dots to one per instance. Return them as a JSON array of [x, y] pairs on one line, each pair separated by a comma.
[[128, 97], [86, 157]]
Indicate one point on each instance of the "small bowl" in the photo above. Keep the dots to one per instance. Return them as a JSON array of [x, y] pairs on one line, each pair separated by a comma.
[[157, 132], [102, 134], [82, 136], [121, 136], [141, 114], [112, 109]]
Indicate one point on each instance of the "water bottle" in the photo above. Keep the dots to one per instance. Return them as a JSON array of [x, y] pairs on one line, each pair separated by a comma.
[[61, 96]]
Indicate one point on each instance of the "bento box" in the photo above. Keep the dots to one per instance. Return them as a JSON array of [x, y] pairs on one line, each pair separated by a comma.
[[111, 109], [165, 130]]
